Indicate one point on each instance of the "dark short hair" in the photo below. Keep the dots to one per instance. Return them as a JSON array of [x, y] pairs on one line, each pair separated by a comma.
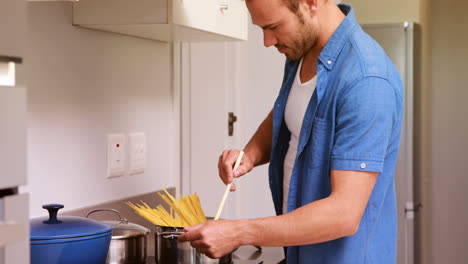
[[293, 5]]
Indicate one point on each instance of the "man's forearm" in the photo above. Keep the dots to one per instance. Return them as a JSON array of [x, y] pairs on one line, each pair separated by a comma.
[[336, 216], [259, 146], [313, 223]]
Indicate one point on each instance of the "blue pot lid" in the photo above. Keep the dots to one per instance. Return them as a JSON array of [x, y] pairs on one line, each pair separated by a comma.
[[64, 227]]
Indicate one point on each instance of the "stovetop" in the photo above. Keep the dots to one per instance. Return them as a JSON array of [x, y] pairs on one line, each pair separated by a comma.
[[251, 255]]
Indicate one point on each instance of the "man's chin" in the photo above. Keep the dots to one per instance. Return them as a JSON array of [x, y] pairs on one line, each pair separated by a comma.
[[292, 57]]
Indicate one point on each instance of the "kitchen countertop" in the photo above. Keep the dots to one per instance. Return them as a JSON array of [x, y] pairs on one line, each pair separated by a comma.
[[250, 255]]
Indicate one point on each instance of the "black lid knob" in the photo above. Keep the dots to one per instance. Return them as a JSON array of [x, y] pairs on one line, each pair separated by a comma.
[[53, 210]]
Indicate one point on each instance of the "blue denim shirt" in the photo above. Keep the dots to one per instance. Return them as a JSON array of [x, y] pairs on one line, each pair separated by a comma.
[[352, 122]]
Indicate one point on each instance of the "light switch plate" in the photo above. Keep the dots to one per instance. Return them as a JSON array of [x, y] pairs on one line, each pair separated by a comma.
[[115, 155], [137, 157]]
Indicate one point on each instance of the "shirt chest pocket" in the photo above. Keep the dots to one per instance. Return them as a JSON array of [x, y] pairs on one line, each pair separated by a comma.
[[318, 148]]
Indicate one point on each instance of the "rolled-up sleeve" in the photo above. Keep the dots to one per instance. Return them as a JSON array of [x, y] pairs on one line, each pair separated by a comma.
[[364, 120]]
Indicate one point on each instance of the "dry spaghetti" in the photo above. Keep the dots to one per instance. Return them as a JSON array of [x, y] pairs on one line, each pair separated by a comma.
[[188, 211]]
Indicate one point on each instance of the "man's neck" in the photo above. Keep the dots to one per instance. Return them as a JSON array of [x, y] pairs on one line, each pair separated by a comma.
[[330, 19]]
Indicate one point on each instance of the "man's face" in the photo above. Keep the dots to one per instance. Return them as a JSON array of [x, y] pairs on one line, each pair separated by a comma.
[[292, 34]]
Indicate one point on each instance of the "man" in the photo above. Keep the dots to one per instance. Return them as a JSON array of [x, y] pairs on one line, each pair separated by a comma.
[[331, 139]]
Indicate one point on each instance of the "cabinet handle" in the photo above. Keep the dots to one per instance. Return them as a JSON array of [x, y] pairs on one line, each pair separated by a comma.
[[231, 120], [223, 7]]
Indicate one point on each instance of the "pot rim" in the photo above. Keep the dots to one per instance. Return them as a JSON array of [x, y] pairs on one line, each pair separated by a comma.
[[114, 237], [68, 240]]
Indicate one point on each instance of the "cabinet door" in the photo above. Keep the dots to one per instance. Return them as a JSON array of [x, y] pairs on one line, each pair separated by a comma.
[[209, 100], [166, 20], [223, 17], [12, 27], [195, 14], [231, 18], [13, 138]]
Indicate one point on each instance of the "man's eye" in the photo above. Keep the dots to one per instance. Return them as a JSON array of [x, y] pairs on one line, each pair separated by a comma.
[[273, 27]]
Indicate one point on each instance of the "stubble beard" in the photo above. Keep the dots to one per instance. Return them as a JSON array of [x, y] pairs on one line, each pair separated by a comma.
[[305, 40]]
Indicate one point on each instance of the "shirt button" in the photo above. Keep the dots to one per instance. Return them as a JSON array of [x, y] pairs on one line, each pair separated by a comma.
[[363, 165], [329, 62]]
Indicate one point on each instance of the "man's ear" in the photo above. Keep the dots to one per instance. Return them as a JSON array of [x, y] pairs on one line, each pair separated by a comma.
[[311, 5]]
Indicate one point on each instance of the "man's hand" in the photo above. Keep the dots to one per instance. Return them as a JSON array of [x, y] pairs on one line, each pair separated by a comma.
[[226, 163], [213, 238], [257, 152]]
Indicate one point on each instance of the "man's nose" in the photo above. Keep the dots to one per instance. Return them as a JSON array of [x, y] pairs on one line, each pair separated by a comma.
[[269, 38]]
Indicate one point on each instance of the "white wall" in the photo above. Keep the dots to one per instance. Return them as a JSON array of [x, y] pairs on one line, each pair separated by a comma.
[[450, 130], [83, 85], [380, 11]]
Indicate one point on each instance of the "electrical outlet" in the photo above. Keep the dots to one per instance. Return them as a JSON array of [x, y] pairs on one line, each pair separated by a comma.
[[115, 155], [137, 155]]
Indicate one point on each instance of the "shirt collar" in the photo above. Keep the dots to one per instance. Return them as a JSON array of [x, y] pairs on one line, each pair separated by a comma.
[[338, 39]]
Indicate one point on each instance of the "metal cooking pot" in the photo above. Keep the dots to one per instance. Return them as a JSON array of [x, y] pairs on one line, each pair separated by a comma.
[[68, 239], [129, 241], [168, 249]]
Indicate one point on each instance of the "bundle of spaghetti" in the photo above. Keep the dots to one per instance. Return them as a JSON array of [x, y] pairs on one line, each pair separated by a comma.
[[188, 211]]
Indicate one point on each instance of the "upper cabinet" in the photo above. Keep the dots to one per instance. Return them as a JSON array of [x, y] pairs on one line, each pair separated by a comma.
[[166, 20]]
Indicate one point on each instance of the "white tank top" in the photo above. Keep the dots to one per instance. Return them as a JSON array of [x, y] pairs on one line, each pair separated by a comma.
[[296, 106]]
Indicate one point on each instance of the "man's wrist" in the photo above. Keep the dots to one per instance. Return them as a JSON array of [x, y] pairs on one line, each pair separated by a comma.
[[248, 232], [252, 155]]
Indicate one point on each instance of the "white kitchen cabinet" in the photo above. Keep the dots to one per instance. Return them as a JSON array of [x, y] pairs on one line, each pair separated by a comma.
[[166, 20], [13, 136], [14, 220]]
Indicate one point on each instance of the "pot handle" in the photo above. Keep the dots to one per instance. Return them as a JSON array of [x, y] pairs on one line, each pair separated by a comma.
[[170, 235], [122, 220], [53, 210]]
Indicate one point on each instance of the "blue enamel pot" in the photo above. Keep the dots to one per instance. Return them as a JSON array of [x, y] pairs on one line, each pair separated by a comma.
[[68, 239]]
